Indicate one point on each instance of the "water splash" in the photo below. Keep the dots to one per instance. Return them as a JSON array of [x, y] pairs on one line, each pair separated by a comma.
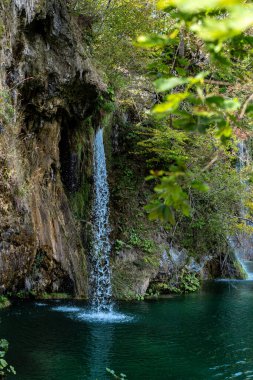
[[104, 317], [91, 316], [101, 292], [28, 6], [66, 309]]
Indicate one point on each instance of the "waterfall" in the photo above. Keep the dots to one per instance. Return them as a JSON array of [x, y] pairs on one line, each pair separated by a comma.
[[101, 292], [244, 251], [243, 156]]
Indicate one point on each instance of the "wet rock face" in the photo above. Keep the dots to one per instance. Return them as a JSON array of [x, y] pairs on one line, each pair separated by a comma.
[[55, 88], [47, 275]]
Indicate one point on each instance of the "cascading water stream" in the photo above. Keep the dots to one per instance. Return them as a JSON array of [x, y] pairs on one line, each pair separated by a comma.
[[101, 292], [247, 265]]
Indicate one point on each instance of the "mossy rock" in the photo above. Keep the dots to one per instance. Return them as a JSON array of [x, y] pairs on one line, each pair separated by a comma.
[[240, 271], [41, 296]]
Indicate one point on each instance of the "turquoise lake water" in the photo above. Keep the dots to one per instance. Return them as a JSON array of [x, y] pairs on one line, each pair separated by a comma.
[[207, 335]]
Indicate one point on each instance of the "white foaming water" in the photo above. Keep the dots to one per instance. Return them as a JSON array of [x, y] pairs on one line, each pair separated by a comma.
[[87, 315], [104, 317], [100, 280], [28, 6], [66, 309]]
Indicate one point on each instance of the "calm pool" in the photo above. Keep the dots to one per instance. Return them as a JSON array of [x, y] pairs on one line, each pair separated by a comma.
[[207, 335]]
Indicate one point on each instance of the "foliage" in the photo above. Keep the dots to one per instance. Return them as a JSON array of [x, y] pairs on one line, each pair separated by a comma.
[[146, 245], [189, 100], [115, 26], [5, 368], [4, 302], [121, 376], [163, 288], [23, 294], [213, 191], [119, 245], [189, 282]]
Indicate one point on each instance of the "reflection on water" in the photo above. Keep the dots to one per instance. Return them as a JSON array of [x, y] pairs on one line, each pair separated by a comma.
[[100, 338], [100, 347], [202, 336]]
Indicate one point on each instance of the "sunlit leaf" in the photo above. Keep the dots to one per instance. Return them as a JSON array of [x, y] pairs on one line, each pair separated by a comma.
[[224, 132], [195, 6], [220, 102], [165, 84], [3, 363], [240, 19], [231, 105], [4, 345], [171, 104], [199, 78], [150, 41]]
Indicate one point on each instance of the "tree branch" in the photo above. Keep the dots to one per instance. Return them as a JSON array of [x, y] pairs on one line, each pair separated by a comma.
[[245, 106]]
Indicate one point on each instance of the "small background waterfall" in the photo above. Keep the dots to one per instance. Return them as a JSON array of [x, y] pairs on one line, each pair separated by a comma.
[[101, 292], [243, 244]]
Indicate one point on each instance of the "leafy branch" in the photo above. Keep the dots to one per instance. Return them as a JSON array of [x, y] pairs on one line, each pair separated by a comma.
[[5, 368], [186, 101]]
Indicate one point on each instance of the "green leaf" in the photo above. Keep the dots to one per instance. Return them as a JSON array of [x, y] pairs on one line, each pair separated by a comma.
[[220, 102], [13, 370], [224, 132], [181, 71], [3, 363], [201, 186], [231, 105], [165, 84], [149, 41], [215, 100], [240, 19], [199, 78], [158, 210], [249, 109], [171, 104], [196, 6], [4, 345]]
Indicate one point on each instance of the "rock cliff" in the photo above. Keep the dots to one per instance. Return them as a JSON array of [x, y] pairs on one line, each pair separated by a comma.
[[47, 76]]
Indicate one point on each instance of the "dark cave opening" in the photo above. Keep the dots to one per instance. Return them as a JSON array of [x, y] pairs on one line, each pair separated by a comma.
[[68, 156]]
